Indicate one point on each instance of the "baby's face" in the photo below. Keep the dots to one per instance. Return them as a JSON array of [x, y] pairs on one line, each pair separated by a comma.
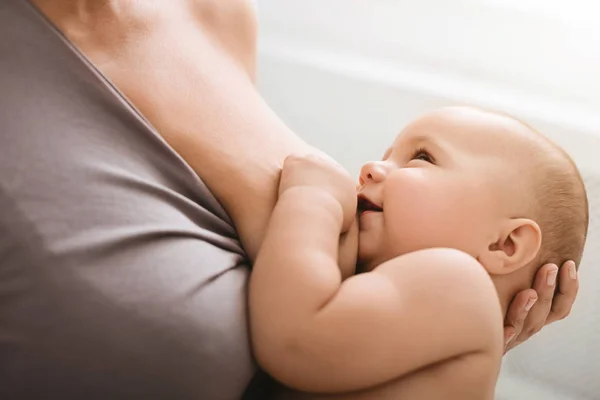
[[442, 183]]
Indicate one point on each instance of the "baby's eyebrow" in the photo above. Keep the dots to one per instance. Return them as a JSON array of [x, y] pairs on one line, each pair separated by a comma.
[[421, 139], [428, 141]]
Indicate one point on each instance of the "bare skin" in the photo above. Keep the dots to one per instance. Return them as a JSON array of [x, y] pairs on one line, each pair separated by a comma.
[[188, 66]]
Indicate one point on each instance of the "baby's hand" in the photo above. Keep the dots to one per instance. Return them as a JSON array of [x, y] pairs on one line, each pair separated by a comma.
[[323, 174]]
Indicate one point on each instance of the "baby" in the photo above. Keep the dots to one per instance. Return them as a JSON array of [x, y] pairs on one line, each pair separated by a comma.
[[456, 218]]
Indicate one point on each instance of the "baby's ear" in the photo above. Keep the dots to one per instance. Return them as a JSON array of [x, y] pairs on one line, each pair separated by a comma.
[[518, 244]]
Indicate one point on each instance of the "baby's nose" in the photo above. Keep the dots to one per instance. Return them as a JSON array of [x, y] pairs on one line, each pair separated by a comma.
[[373, 171]]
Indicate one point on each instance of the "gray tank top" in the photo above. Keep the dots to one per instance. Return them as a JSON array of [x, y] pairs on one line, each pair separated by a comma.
[[121, 276]]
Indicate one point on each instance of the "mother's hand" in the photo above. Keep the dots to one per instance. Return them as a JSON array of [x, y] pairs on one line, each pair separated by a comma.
[[532, 309]]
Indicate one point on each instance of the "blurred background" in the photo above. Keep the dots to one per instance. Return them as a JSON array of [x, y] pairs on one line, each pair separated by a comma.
[[347, 75]]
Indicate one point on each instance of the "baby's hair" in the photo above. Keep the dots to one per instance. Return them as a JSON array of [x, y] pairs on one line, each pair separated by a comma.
[[560, 199], [563, 213]]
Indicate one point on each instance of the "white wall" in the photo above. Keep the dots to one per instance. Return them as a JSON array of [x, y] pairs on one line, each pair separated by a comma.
[[348, 74]]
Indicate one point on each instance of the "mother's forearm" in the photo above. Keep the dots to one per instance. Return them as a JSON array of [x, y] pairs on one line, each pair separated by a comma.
[[238, 150]]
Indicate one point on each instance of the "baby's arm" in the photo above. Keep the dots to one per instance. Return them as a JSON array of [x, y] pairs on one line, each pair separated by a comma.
[[315, 333]]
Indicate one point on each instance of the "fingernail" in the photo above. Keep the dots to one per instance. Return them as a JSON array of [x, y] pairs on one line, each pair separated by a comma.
[[530, 303], [551, 277], [572, 271]]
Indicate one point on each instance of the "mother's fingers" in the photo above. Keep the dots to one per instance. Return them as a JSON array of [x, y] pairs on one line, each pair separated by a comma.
[[555, 289], [516, 315], [544, 285], [568, 286]]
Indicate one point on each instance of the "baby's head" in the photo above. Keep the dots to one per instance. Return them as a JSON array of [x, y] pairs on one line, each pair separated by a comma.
[[480, 182]]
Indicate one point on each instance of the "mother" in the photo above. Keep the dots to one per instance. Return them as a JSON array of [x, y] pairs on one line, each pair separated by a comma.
[[120, 274]]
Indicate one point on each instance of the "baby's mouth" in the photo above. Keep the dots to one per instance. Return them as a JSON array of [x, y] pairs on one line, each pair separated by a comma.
[[365, 205]]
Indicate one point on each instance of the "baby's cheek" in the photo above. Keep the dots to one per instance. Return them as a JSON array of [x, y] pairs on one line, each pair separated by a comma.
[[412, 191], [410, 204], [427, 212]]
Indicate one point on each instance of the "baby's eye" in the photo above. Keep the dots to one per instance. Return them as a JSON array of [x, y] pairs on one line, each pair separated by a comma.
[[423, 155]]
